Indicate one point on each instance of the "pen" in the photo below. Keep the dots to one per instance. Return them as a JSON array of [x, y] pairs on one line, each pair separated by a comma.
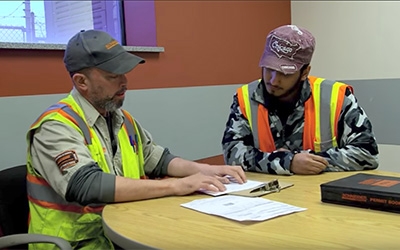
[[133, 143]]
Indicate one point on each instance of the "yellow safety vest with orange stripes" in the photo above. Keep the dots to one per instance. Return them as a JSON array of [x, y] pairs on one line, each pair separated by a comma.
[[321, 115], [50, 213]]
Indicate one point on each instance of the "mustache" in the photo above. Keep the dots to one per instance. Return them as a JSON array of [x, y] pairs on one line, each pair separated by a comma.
[[276, 87], [124, 89]]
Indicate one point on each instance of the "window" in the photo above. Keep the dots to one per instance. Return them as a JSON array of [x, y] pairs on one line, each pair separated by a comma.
[[56, 21]]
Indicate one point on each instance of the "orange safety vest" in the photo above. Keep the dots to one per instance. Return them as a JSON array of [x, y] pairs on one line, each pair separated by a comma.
[[321, 116]]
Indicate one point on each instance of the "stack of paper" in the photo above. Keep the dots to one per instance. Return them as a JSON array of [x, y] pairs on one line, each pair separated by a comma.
[[242, 208]]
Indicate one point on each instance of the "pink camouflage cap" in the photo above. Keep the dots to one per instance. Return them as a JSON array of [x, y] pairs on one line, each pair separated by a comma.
[[288, 49]]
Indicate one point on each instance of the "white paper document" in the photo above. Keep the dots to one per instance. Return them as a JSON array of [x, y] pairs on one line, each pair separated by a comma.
[[234, 187], [242, 208]]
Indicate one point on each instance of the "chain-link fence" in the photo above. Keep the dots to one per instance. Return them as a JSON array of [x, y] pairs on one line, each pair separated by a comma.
[[12, 34], [17, 21]]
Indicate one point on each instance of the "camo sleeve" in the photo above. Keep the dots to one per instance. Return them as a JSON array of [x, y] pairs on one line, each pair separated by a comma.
[[238, 147], [357, 147]]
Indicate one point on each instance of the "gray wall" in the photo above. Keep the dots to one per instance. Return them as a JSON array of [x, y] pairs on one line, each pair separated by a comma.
[[380, 100], [357, 42], [18, 113], [189, 121]]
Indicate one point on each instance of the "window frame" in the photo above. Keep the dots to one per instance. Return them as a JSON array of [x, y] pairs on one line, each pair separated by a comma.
[[139, 30]]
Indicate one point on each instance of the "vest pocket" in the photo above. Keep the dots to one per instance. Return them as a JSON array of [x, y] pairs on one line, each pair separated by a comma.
[[75, 229], [84, 231]]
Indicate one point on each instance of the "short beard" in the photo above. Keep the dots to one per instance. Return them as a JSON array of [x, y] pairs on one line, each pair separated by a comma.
[[109, 105], [293, 89], [296, 88]]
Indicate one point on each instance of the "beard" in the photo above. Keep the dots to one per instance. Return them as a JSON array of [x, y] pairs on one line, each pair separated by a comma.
[[295, 88], [108, 104]]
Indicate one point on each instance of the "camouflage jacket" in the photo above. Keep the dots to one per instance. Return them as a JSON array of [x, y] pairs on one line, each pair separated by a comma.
[[357, 148]]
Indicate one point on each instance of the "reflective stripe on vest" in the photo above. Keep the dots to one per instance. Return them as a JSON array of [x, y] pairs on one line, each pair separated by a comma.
[[80, 123], [320, 121], [128, 123], [130, 129], [252, 111], [326, 94], [40, 192], [135, 143], [70, 114], [50, 213]]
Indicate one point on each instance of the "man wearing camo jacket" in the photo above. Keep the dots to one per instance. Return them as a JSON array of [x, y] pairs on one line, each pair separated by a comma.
[[288, 122]]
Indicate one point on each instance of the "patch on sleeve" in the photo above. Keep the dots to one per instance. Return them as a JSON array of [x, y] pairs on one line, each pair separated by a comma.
[[66, 160]]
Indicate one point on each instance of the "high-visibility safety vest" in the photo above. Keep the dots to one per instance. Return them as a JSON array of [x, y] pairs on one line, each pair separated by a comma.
[[321, 115], [50, 213]]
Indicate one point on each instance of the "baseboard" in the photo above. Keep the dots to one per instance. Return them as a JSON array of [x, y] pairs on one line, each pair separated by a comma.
[[213, 160]]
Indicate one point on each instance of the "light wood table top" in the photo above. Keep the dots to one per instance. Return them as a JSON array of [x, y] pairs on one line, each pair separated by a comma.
[[162, 223]]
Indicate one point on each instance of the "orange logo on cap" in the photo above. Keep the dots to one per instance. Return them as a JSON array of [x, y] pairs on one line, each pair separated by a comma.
[[111, 44]]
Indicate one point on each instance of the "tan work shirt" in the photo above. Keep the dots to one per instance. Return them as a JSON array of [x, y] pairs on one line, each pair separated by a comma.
[[53, 138]]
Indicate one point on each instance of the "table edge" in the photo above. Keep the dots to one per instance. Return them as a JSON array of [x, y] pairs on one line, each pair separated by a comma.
[[121, 240]]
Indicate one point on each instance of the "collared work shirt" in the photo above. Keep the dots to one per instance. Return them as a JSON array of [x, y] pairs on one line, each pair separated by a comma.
[[54, 137]]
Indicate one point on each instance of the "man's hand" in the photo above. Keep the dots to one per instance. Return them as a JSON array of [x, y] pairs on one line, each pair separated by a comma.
[[224, 173], [308, 164], [127, 189], [193, 183], [195, 176]]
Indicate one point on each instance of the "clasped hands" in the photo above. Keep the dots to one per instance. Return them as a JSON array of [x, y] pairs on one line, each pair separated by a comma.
[[306, 163]]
